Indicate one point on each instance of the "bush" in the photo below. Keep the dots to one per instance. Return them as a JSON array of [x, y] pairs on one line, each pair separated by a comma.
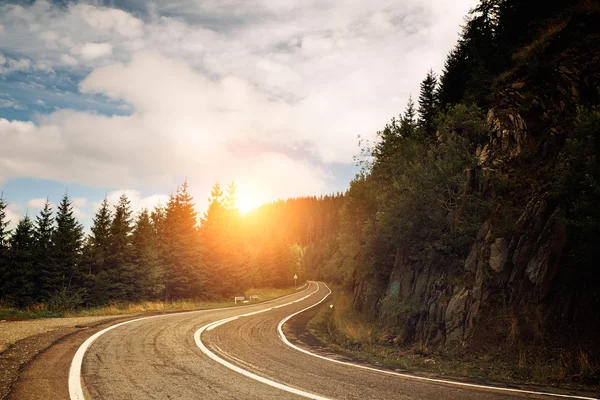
[[64, 300]]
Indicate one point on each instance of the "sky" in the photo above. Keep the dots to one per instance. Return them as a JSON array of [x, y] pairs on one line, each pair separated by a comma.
[[98, 98]]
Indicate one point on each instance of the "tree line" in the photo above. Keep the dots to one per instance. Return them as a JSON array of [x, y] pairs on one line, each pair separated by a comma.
[[166, 253]]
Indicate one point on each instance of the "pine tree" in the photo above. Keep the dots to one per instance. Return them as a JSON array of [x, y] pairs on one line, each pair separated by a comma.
[[428, 104], [96, 252], [119, 267], [100, 238], [67, 242], [408, 122], [4, 235], [45, 264], [20, 287], [184, 273], [212, 232], [148, 281]]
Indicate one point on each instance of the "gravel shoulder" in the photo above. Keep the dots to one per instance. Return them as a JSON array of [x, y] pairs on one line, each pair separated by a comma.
[[21, 341], [12, 332]]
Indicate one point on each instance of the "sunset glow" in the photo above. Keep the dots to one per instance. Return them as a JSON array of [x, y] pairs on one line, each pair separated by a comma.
[[248, 201]]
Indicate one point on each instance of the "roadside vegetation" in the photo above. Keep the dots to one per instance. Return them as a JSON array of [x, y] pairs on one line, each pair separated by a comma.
[[121, 308], [345, 331]]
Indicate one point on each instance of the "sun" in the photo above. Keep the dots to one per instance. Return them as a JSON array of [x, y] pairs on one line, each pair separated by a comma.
[[247, 202]]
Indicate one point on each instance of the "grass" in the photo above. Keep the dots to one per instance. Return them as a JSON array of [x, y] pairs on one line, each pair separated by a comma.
[[121, 308], [344, 331]]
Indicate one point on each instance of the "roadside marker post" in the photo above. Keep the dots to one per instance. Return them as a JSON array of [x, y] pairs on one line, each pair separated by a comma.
[[295, 281]]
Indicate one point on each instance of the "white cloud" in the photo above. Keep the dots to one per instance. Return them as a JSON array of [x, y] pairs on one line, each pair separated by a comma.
[[91, 51], [11, 103], [37, 204], [268, 93], [67, 59], [10, 65], [12, 217], [105, 19], [136, 201], [79, 202]]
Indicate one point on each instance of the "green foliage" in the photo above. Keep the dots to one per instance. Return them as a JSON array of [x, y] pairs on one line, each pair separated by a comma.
[[4, 236], [578, 189], [181, 257], [19, 282], [45, 263], [428, 104], [64, 300], [67, 242]]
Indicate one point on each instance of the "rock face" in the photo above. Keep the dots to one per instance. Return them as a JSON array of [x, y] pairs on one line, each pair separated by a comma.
[[511, 267]]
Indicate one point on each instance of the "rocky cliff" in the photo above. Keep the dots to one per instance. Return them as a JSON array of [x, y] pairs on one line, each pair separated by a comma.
[[513, 294]]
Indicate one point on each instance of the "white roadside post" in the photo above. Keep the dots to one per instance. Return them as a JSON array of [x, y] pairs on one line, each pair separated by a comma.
[[295, 281]]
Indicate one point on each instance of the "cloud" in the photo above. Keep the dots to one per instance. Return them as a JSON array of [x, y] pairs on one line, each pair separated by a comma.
[[136, 201], [11, 103], [268, 93], [37, 204], [68, 60], [92, 51], [79, 202], [105, 20]]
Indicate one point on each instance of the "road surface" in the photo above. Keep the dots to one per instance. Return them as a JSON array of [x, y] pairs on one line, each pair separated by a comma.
[[238, 353]]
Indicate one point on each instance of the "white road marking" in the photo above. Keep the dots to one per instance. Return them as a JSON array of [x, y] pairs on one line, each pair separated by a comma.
[[419, 378], [233, 367], [75, 384]]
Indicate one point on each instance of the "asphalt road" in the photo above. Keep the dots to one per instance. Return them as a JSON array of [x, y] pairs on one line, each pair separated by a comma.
[[159, 358], [234, 353]]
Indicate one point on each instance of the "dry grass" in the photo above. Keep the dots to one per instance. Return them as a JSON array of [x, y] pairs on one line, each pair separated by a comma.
[[537, 47], [341, 329], [122, 308]]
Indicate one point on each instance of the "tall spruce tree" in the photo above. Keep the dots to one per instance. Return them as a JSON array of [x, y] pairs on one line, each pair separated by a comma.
[[20, 286], [67, 242], [428, 104], [45, 264], [4, 236], [184, 274], [97, 251], [100, 238], [119, 267], [408, 122], [145, 258], [212, 232]]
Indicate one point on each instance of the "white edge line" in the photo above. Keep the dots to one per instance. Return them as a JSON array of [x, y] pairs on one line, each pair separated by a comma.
[[414, 377], [248, 374], [75, 384]]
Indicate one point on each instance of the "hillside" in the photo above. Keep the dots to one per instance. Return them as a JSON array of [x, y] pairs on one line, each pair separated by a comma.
[[479, 238]]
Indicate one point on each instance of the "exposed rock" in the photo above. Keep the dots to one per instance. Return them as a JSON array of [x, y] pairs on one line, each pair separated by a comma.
[[455, 316], [541, 267], [498, 254]]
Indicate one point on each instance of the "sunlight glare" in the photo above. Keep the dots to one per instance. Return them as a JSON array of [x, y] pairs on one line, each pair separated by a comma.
[[247, 201]]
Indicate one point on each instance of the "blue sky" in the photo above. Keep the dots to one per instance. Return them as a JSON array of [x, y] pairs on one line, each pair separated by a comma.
[[101, 97]]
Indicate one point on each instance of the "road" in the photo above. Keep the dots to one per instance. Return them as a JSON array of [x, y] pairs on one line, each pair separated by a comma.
[[237, 353]]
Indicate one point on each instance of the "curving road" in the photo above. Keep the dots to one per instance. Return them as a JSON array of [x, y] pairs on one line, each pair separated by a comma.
[[238, 354]]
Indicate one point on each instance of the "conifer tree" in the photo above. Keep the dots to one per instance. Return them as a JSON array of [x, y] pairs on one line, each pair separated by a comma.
[[45, 265], [100, 238], [67, 242], [145, 259], [212, 232], [97, 251], [408, 122], [428, 104], [4, 235], [181, 257], [119, 267], [19, 284]]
